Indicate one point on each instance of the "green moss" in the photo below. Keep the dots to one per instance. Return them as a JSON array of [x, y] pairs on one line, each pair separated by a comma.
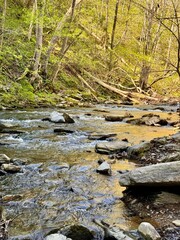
[[69, 81], [26, 85], [47, 98]]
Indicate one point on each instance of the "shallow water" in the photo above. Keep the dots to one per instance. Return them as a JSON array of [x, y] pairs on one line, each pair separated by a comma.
[[50, 196]]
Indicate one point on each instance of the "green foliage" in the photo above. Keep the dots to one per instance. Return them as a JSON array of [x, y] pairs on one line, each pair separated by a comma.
[[89, 50]]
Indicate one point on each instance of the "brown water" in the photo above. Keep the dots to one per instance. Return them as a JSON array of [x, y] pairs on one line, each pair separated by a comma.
[[52, 197]]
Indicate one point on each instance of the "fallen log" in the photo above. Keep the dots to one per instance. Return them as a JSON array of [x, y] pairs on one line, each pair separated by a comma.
[[132, 96]]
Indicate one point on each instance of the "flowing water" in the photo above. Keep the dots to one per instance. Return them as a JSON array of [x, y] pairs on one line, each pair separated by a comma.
[[50, 196]]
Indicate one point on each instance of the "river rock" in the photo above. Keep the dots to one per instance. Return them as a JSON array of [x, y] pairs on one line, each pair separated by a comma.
[[111, 147], [104, 168], [62, 131], [10, 168], [57, 236], [170, 157], [4, 159], [162, 174], [5, 126], [118, 118], [67, 118], [98, 136], [59, 167], [12, 131], [149, 119], [114, 118], [8, 198], [148, 231], [56, 117], [176, 223], [165, 198], [138, 151], [116, 233]]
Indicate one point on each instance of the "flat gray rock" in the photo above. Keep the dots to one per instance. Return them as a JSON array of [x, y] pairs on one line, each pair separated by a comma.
[[111, 147], [162, 174], [99, 136]]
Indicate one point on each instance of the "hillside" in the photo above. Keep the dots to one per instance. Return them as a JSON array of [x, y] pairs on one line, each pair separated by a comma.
[[68, 52]]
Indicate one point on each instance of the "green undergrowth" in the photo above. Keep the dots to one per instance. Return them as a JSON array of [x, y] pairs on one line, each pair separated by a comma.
[[67, 91]]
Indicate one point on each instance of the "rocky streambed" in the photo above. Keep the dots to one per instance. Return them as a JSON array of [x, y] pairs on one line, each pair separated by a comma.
[[51, 181]]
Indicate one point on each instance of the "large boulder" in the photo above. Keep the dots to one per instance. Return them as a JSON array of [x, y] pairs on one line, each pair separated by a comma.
[[111, 147], [162, 174]]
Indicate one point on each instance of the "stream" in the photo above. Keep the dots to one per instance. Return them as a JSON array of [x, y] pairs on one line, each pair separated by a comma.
[[59, 184]]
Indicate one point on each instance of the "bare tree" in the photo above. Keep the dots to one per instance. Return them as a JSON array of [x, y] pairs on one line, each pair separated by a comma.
[[57, 34], [34, 9], [3, 24], [148, 41], [113, 35], [172, 24], [39, 39]]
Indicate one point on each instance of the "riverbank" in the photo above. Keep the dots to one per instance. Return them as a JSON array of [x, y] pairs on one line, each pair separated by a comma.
[[158, 203]]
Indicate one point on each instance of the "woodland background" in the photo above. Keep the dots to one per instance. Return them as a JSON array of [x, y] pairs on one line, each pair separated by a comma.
[[92, 50]]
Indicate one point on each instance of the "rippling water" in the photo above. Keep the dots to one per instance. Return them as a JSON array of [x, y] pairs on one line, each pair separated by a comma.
[[51, 196]]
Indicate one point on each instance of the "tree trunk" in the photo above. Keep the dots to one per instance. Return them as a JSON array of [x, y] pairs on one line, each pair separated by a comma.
[[113, 35], [57, 35], [148, 44], [39, 39], [32, 19], [65, 47], [143, 80], [3, 24]]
